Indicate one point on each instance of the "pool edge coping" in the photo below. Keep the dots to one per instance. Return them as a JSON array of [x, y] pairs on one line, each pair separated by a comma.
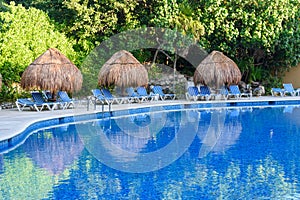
[[32, 125]]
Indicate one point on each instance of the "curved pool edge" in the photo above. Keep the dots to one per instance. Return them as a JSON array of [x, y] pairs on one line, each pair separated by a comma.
[[47, 119]]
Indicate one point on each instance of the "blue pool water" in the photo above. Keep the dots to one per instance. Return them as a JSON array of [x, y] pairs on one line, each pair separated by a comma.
[[233, 153]]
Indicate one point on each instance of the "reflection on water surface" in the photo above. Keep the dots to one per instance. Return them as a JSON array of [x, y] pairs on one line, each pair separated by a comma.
[[233, 154]]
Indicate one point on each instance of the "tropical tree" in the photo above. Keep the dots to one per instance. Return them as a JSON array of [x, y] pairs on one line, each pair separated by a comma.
[[24, 35], [93, 21], [179, 16], [262, 37], [176, 15], [253, 33]]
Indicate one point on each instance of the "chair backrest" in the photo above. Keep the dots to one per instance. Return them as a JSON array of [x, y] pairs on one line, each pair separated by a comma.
[[158, 90], [193, 91], [142, 91], [234, 89], [288, 87], [106, 93], [38, 97], [63, 95], [131, 93], [97, 94], [276, 89], [47, 94], [204, 90], [224, 91]]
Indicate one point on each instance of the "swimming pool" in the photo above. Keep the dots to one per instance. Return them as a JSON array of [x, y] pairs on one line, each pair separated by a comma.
[[222, 153]]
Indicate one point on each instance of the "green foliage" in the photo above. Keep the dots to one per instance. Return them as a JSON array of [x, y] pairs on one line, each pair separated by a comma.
[[54, 8], [155, 72], [12, 92], [93, 21], [266, 32], [164, 12], [263, 37], [256, 73], [24, 35], [286, 49], [176, 15]]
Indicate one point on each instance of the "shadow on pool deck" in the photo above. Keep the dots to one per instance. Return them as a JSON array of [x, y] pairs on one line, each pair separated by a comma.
[[13, 122]]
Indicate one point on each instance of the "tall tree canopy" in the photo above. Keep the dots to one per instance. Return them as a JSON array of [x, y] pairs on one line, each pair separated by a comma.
[[24, 35], [262, 37], [93, 21]]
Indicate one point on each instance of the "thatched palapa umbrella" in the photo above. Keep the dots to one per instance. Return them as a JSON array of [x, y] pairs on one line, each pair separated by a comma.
[[123, 70], [216, 70], [52, 71]]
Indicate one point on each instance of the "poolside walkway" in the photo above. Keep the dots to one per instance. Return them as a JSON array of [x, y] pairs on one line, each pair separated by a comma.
[[13, 122]]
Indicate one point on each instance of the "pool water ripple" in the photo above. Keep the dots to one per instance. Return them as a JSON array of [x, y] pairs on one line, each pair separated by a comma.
[[236, 153]]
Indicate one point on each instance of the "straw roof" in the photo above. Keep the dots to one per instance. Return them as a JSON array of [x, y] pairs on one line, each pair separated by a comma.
[[216, 70], [123, 70], [52, 71]]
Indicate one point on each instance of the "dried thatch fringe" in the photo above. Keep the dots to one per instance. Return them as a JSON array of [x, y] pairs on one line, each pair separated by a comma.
[[52, 71], [123, 70], [216, 70]]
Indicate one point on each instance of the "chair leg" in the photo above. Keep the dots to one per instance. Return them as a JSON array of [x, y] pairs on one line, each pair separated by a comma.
[[18, 106], [36, 108]]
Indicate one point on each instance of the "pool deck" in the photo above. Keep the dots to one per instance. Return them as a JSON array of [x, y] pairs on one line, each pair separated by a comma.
[[13, 122]]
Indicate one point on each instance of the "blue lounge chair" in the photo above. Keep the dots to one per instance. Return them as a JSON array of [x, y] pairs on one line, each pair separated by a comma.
[[98, 97], [224, 92], [39, 99], [158, 90], [23, 103], [64, 100], [205, 92], [276, 91], [134, 96], [289, 89], [48, 95], [236, 93], [193, 93], [141, 91], [108, 95]]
